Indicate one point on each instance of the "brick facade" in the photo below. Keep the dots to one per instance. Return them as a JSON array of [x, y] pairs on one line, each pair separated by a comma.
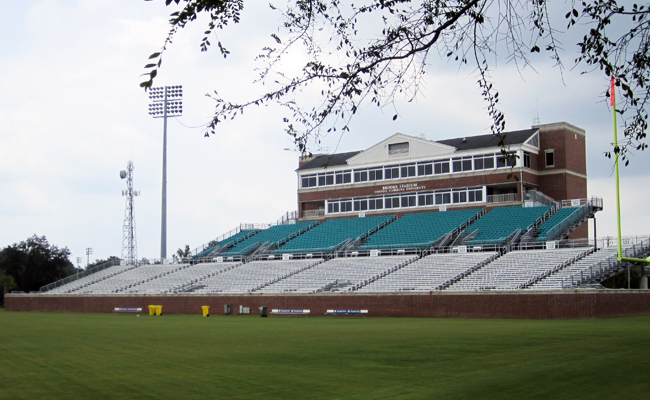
[[529, 305]]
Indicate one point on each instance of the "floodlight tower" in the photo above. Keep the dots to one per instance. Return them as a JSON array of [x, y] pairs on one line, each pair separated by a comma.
[[129, 243], [167, 101]]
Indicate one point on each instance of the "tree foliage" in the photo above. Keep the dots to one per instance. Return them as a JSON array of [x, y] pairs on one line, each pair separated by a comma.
[[354, 66], [34, 263]]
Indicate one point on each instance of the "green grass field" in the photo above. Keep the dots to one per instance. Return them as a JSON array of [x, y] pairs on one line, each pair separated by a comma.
[[111, 356]]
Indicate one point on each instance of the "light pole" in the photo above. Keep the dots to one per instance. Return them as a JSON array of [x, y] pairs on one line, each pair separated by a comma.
[[166, 102], [79, 261], [89, 251]]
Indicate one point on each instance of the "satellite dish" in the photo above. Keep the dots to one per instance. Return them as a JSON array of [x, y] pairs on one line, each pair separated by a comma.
[[122, 174]]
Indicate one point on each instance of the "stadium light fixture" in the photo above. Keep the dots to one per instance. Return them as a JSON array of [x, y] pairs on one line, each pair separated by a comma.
[[166, 101], [89, 251]]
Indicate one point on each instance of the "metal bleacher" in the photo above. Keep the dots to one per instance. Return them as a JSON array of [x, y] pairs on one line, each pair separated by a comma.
[[339, 274], [433, 272], [500, 223], [518, 269]]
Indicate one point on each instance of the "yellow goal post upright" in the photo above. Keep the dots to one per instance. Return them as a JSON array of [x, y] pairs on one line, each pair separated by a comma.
[[618, 199]]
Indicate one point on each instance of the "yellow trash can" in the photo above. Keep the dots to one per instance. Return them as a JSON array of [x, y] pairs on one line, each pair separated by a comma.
[[158, 310], [152, 310], [206, 311]]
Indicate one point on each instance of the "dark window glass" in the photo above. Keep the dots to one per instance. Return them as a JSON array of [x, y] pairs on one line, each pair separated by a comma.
[[305, 182], [437, 169], [379, 203], [378, 174], [478, 163], [422, 200], [321, 180], [463, 197], [479, 195], [330, 207], [471, 196], [488, 162], [446, 198], [438, 198], [445, 167], [429, 199], [420, 170], [371, 204], [357, 205], [428, 169], [550, 159], [405, 172], [455, 197], [526, 159], [312, 181], [339, 179], [346, 206], [467, 165], [329, 179], [357, 177], [458, 167], [347, 177]]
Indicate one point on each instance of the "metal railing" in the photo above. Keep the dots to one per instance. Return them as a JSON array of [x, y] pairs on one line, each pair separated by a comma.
[[502, 198], [313, 213], [540, 197], [610, 265], [80, 274], [287, 218]]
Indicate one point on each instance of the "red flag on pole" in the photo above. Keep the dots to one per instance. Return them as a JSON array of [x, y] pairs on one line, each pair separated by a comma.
[[613, 91]]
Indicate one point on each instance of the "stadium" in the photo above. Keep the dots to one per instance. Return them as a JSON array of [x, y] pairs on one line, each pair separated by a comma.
[[408, 227]]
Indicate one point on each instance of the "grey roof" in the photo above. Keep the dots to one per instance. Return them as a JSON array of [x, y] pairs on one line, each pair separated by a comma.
[[329, 160], [482, 141], [466, 143]]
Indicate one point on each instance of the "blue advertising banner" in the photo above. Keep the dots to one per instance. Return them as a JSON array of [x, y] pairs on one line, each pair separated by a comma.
[[289, 311], [347, 312]]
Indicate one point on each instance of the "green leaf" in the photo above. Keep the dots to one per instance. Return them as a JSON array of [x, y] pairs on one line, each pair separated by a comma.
[[154, 55]]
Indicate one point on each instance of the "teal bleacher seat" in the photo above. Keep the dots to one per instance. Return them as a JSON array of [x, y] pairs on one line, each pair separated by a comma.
[[331, 233], [495, 226], [419, 230], [236, 238], [274, 235], [565, 215]]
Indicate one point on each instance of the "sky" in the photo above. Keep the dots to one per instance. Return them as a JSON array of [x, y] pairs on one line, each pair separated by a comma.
[[72, 115]]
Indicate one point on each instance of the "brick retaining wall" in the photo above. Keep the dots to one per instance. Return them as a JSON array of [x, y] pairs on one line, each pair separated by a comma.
[[530, 305]]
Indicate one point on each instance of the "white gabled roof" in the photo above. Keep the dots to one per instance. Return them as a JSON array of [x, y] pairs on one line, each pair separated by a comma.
[[418, 148]]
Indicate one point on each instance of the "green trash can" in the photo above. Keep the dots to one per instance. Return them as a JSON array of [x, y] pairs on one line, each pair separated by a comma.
[[263, 311]]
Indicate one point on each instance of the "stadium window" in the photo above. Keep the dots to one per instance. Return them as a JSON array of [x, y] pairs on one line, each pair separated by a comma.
[[488, 161], [408, 170], [346, 205], [456, 163], [376, 203], [508, 161], [361, 205], [478, 162], [425, 169], [398, 149], [329, 179], [408, 201], [375, 174], [309, 181], [526, 159], [321, 180], [391, 172], [467, 163], [343, 177], [550, 158], [360, 175], [441, 167], [391, 202]]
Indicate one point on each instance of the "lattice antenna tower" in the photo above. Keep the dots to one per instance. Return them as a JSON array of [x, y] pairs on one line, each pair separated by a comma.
[[129, 242]]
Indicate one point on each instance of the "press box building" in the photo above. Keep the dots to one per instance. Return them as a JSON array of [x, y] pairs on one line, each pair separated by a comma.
[[406, 174]]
